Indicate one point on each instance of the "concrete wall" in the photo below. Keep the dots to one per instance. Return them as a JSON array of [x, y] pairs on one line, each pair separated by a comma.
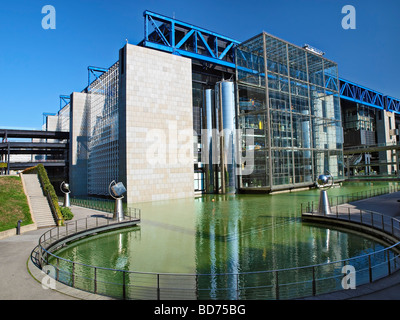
[[155, 125], [384, 126], [78, 156]]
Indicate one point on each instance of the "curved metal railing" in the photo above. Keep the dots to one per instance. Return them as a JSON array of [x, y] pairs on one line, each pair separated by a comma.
[[292, 283]]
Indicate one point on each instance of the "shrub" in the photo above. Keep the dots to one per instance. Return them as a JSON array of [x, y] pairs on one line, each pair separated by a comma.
[[66, 213]]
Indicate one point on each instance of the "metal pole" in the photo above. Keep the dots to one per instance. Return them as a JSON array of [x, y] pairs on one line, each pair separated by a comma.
[[314, 286], [158, 286], [276, 286], [369, 268], [95, 280], [237, 287], [123, 286], [73, 274]]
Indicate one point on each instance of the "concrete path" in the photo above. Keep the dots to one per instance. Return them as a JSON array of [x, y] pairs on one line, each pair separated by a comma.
[[21, 280]]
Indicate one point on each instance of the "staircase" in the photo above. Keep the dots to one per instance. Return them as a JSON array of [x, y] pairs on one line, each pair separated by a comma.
[[41, 210]]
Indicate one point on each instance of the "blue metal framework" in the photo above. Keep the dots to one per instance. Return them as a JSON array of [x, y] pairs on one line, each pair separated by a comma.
[[357, 93], [64, 100], [46, 114], [177, 37], [95, 72], [392, 104]]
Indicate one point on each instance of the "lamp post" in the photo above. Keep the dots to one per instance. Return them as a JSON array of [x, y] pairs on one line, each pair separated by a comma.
[[64, 187], [324, 185], [116, 191]]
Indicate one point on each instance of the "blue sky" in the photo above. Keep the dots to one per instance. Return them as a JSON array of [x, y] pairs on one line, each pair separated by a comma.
[[38, 65]]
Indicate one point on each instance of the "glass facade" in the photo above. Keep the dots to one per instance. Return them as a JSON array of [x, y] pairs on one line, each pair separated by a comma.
[[288, 100], [102, 112]]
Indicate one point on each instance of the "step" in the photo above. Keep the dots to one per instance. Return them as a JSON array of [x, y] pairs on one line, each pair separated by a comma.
[[41, 210]]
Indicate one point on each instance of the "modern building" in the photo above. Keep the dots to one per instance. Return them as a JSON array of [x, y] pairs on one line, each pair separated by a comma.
[[188, 110]]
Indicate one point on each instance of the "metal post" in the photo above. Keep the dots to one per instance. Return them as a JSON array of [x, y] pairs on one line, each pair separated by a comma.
[[237, 287], [158, 286], [314, 286], [388, 258], [19, 227], [8, 156], [58, 269], [123, 286], [73, 274], [369, 268], [95, 280], [391, 219], [276, 286], [197, 287], [372, 219]]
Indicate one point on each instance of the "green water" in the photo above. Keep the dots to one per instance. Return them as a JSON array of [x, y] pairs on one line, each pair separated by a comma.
[[214, 235], [224, 234]]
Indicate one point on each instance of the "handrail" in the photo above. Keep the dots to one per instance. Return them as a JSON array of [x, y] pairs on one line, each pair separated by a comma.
[[186, 285]]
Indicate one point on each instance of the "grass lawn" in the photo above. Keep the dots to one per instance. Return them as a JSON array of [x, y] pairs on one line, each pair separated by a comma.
[[13, 203]]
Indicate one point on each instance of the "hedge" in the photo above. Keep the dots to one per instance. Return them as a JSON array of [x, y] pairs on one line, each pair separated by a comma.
[[47, 188]]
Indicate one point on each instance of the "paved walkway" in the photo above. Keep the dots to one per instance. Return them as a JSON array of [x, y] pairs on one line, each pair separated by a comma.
[[18, 282], [20, 279]]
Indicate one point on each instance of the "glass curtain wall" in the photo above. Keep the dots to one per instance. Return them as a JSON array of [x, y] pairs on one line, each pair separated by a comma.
[[289, 99], [103, 131]]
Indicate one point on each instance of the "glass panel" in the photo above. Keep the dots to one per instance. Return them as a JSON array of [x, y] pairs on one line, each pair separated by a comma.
[[276, 55], [297, 63], [278, 83], [250, 62], [281, 129], [315, 69], [299, 88], [331, 75], [279, 100], [317, 96], [254, 125], [251, 99], [282, 167], [301, 132], [300, 105], [303, 166]]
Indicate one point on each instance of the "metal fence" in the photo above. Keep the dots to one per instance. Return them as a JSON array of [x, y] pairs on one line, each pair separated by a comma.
[[292, 283], [351, 197]]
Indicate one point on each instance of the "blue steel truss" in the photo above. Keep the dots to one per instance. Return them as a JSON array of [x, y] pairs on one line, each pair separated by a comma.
[[360, 94], [392, 104], [177, 37], [64, 100]]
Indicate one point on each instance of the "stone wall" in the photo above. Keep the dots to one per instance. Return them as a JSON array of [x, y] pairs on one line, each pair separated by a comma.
[[155, 125]]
